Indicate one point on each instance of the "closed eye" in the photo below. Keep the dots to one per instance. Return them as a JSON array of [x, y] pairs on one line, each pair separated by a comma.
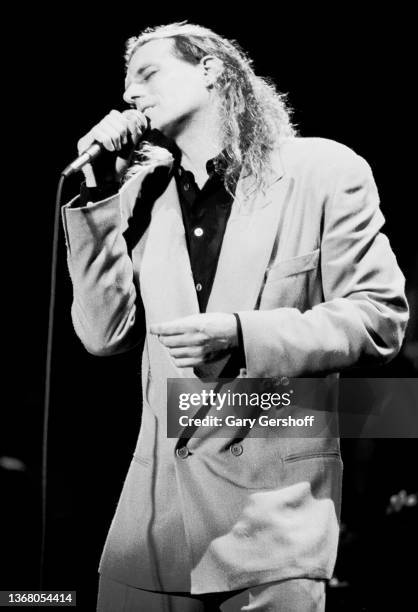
[[149, 75]]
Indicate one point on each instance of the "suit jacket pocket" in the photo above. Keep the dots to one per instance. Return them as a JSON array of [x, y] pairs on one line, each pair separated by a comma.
[[312, 455], [323, 471], [294, 283], [293, 266]]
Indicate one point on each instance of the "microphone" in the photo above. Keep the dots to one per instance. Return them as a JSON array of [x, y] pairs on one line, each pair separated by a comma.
[[96, 148], [89, 155]]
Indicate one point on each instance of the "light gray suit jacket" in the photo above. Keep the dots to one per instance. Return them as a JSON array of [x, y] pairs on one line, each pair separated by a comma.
[[318, 290]]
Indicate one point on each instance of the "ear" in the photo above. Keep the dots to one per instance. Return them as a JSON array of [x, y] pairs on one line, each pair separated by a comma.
[[212, 68]]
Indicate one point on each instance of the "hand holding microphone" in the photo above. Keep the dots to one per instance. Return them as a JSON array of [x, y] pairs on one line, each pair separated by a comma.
[[105, 151]]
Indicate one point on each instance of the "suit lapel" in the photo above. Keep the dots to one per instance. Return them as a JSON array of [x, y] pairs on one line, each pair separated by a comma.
[[248, 243], [166, 278]]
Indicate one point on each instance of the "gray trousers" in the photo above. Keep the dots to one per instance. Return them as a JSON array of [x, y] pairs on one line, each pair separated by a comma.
[[296, 595]]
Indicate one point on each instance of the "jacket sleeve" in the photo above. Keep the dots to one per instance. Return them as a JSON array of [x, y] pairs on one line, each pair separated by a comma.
[[364, 313], [107, 310]]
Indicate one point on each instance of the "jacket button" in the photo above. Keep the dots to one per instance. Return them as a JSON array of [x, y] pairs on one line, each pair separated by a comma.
[[182, 452], [236, 450]]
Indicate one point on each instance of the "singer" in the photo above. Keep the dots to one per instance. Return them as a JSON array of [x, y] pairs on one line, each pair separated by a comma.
[[217, 241]]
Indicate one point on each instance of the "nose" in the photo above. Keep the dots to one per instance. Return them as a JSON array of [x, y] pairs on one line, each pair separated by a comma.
[[133, 95]]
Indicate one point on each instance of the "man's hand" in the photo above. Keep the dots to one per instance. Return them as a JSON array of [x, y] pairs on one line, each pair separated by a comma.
[[118, 133], [198, 339]]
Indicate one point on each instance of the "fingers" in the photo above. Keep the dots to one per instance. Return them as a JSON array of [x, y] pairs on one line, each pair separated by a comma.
[[185, 344], [197, 339], [112, 131], [137, 123], [193, 352], [192, 361], [176, 327], [187, 363], [186, 349], [181, 340], [190, 356], [118, 128], [84, 143], [107, 136]]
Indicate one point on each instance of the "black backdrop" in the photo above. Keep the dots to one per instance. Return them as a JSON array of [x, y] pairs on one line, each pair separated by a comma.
[[348, 77]]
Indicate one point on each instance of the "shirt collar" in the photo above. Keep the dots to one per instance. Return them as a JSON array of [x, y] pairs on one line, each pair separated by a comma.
[[215, 165], [157, 138]]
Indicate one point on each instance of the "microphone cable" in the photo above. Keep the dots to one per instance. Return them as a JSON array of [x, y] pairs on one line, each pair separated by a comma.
[[48, 368]]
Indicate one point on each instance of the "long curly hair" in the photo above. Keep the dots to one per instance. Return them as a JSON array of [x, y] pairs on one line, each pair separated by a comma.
[[254, 116]]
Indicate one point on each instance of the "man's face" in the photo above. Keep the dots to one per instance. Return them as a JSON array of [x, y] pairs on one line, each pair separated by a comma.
[[168, 90]]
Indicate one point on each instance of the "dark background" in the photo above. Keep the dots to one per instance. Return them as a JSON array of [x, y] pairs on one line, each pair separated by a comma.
[[349, 79]]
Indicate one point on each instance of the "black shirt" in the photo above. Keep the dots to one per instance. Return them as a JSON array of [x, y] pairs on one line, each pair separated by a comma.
[[205, 215]]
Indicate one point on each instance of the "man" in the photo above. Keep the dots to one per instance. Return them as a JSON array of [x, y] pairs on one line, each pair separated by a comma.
[[231, 247]]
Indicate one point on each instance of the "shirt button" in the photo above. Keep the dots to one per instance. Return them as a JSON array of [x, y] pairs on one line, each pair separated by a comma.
[[182, 452], [236, 450], [199, 287], [198, 232]]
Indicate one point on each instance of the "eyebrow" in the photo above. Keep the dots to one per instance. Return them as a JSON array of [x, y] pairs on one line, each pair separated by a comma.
[[144, 68]]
